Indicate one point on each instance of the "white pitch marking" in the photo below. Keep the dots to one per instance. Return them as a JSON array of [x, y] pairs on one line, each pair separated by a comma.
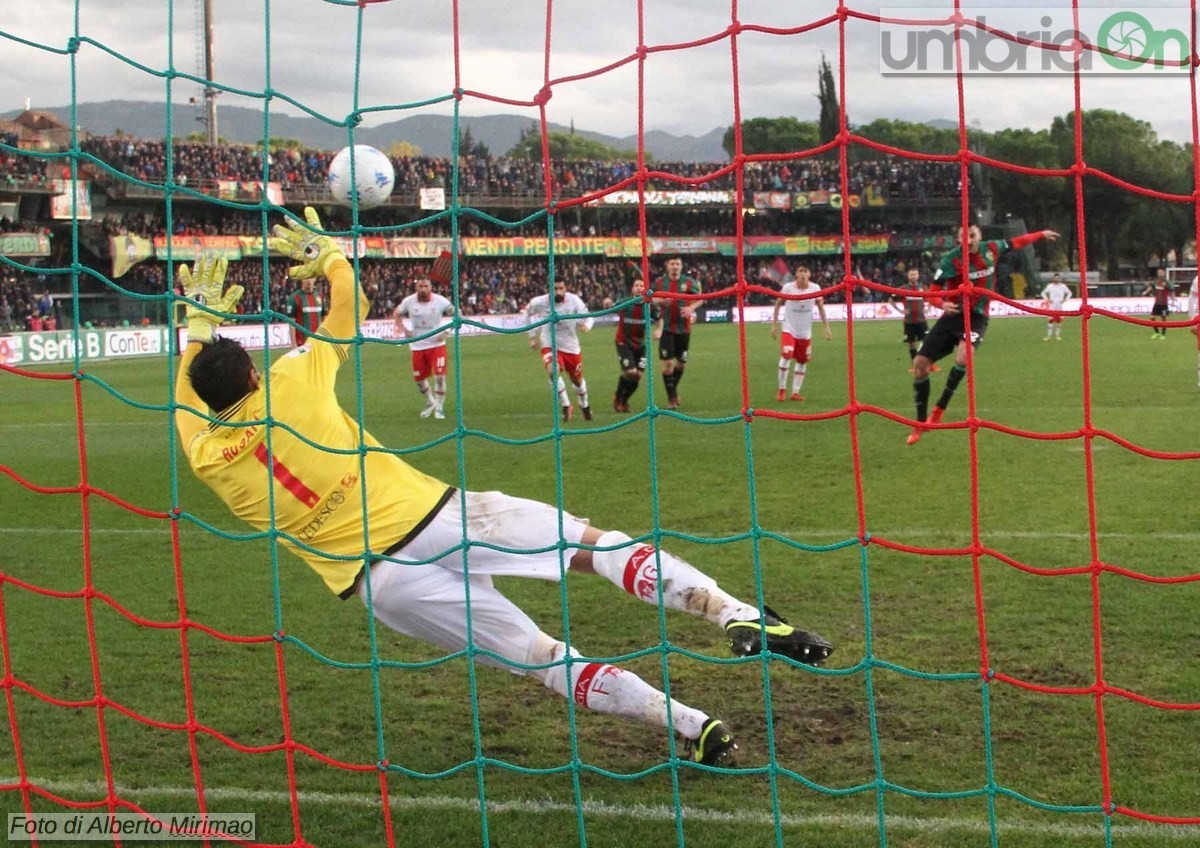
[[642, 812]]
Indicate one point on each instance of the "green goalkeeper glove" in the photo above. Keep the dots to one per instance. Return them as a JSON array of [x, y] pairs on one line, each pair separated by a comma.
[[313, 250], [202, 286]]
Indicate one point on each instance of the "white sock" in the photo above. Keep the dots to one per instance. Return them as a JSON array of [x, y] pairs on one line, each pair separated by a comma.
[[604, 688], [636, 569], [582, 391], [798, 377], [439, 391], [423, 388], [783, 369], [563, 400]]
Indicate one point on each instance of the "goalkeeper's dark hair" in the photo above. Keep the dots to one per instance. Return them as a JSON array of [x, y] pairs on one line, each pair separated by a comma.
[[220, 373]]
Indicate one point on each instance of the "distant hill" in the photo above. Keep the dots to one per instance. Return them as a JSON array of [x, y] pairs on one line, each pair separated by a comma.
[[433, 134]]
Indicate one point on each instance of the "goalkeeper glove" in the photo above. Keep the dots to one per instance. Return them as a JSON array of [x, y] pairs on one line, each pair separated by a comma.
[[202, 287], [312, 249]]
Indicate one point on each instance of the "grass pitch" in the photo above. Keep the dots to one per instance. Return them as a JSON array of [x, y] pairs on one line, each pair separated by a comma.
[[897, 740]]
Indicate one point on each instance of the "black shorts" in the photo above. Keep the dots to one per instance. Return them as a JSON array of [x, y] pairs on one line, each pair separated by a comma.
[[948, 332], [1162, 310], [631, 356], [674, 346], [915, 331]]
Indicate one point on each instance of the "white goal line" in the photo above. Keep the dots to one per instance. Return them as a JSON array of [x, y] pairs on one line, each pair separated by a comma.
[[642, 812]]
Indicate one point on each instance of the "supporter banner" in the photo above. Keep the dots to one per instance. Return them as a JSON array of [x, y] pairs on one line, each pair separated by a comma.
[[10, 210], [664, 198], [24, 244], [673, 245], [781, 200], [187, 248], [127, 251], [133, 249], [249, 190], [832, 199], [405, 248], [939, 242], [433, 199], [802, 245], [874, 196], [537, 246], [60, 203]]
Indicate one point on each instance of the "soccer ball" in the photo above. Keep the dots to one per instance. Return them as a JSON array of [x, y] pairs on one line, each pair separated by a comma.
[[373, 172]]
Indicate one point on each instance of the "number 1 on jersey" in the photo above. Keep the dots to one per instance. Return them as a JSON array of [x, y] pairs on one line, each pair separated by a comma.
[[286, 478]]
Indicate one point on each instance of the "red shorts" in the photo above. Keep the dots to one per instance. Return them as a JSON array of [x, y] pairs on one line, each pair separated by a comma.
[[570, 364], [432, 360], [797, 349], [1057, 319]]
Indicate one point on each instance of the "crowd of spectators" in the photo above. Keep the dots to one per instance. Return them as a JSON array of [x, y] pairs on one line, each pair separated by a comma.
[[16, 167], [487, 285], [197, 164], [505, 285], [25, 303]]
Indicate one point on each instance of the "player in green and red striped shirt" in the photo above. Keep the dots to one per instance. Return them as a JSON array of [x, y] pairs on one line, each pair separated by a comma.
[[949, 334], [305, 307], [912, 307], [678, 315], [631, 343]]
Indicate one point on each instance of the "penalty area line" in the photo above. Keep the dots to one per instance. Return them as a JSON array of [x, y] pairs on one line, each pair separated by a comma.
[[641, 812]]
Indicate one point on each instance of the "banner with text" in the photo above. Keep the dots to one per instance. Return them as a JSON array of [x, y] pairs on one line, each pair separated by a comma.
[[128, 250], [60, 346], [24, 244]]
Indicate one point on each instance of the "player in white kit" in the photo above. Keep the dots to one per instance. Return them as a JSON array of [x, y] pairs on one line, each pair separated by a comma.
[[796, 345], [1056, 294], [561, 334], [425, 312]]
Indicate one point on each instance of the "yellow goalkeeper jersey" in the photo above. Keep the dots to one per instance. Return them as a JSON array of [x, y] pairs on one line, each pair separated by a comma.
[[312, 471]]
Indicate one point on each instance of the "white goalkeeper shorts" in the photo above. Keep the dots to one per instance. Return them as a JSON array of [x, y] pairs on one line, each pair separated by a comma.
[[424, 593]]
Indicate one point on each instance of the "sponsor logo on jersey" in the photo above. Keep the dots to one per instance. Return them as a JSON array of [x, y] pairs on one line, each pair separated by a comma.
[[336, 498]]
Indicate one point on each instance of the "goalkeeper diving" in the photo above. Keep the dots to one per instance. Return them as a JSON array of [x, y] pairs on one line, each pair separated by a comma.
[[301, 474]]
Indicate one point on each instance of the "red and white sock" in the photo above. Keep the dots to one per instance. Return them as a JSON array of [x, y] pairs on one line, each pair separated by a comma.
[[604, 688], [640, 568], [439, 391], [798, 377]]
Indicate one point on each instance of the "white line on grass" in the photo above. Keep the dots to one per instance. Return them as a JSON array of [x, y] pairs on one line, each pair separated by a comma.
[[641, 812], [798, 534]]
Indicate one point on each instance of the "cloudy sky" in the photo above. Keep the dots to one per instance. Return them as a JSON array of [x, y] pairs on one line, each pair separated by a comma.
[[408, 57]]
